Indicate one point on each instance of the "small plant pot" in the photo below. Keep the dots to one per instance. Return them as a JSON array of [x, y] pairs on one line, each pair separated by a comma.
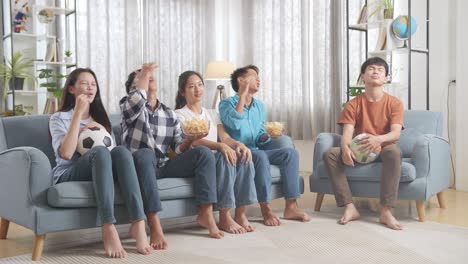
[[68, 60], [19, 82]]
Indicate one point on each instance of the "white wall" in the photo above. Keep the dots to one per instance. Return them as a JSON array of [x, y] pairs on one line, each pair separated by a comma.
[[461, 148]]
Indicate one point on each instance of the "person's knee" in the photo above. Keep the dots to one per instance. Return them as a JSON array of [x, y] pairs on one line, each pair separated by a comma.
[[121, 153], [391, 154], [144, 156], [204, 153], [260, 156], [100, 153], [291, 154], [329, 155]]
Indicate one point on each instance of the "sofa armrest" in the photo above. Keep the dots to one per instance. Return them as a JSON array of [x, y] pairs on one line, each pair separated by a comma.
[[24, 179], [324, 142], [431, 157]]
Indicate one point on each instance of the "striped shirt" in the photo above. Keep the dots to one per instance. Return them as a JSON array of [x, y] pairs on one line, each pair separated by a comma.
[[144, 128]]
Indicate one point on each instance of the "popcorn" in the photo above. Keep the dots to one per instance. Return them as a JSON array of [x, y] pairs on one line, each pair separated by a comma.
[[274, 129], [195, 126]]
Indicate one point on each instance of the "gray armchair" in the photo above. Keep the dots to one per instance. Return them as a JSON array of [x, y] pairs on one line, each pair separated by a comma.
[[424, 170]]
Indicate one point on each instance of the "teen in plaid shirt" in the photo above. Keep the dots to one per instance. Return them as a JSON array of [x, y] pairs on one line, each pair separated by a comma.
[[150, 130]]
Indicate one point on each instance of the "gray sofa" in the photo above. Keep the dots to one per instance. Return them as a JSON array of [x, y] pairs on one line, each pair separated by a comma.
[[425, 169], [28, 198]]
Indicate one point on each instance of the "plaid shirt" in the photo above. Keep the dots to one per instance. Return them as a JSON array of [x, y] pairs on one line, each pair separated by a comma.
[[144, 128]]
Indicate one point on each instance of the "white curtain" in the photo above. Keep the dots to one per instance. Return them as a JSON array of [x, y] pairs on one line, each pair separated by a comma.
[[297, 44], [299, 48], [116, 37]]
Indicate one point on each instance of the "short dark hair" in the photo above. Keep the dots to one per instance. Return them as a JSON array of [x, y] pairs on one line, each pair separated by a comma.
[[374, 61], [239, 73], [130, 79]]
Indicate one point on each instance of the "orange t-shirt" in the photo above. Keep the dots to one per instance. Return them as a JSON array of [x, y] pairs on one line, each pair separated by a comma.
[[374, 118]]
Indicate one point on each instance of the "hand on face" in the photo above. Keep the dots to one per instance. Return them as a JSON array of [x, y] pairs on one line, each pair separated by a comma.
[[82, 104]]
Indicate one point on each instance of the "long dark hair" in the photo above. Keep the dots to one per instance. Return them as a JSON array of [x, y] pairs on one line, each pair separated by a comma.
[[96, 108], [180, 100]]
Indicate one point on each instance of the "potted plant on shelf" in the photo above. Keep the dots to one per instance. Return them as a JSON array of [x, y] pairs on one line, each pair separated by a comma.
[[19, 68], [68, 58], [52, 82], [386, 6]]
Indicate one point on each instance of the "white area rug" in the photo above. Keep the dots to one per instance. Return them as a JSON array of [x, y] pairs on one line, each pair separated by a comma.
[[320, 241]]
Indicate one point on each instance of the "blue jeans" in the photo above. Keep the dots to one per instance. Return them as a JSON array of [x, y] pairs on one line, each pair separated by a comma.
[[287, 159], [198, 162], [236, 186], [101, 167]]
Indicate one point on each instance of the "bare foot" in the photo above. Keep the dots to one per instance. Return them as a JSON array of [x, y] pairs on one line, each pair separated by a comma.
[[350, 214], [157, 239], [206, 219], [269, 218], [138, 232], [293, 212], [389, 220], [111, 240], [228, 224], [242, 219]]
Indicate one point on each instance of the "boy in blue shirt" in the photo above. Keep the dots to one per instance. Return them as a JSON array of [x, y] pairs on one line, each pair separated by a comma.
[[243, 117]]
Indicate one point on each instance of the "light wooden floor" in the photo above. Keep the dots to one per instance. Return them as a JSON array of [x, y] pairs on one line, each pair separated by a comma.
[[20, 240]]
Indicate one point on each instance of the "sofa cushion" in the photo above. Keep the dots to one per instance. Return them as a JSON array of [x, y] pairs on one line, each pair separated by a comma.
[[81, 194], [371, 172]]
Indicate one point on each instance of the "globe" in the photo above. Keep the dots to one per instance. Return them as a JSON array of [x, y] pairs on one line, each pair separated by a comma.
[[400, 27], [363, 157]]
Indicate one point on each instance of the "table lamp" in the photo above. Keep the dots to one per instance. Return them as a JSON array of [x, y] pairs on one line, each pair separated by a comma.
[[219, 70]]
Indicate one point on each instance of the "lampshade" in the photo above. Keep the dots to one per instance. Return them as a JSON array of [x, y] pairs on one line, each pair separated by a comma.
[[218, 70]]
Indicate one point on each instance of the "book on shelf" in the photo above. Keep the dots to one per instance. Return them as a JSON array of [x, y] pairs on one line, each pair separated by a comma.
[[51, 51], [362, 15], [51, 105], [382, 39]]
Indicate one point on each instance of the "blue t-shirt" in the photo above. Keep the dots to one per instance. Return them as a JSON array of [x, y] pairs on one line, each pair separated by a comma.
[[59, 124], [247, 127]]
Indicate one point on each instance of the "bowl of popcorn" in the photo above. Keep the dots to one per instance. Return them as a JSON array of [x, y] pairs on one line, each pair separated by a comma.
[[274, 129], [195, 127]]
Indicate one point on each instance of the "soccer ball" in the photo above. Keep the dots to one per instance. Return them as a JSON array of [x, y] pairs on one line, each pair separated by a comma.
[[363, 156], [93, 137]]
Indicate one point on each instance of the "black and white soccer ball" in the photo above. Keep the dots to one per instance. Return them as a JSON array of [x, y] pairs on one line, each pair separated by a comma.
[[93, 137]]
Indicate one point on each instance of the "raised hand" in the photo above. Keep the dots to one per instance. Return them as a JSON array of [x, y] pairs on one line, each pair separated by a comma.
[[142, 78]]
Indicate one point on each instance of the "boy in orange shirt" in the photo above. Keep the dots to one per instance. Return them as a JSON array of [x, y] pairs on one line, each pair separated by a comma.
[[380, 115]]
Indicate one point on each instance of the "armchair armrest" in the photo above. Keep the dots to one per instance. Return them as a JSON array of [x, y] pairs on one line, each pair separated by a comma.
[[324, 142], [431, 156], [24, 180]]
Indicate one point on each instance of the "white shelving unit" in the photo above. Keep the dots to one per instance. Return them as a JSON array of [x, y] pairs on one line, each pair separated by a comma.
[[408, 61], [44, 43]]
